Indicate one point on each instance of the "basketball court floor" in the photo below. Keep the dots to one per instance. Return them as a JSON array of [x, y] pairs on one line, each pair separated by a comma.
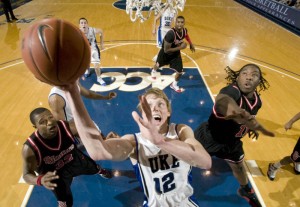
[[224, 33]]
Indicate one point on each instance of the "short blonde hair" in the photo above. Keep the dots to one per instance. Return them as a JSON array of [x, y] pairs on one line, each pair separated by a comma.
[[158, 93]]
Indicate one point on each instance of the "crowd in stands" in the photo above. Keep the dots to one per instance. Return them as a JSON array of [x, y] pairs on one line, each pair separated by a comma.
[[291, 3]]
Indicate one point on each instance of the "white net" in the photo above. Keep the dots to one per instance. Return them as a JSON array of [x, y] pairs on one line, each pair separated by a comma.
[[142, 9]]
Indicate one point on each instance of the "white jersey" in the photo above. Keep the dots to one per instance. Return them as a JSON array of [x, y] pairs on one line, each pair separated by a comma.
[[164, 178], [67, 109], [166, 20], [95, 52], [91, 36]]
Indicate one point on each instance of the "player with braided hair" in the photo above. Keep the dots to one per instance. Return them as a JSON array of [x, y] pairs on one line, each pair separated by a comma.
[[233, 115]]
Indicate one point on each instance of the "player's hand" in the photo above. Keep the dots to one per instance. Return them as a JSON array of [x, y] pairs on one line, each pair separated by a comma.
[[146, 123], [192, 48], [183, 45], [101, 47], [154, 32], [47, 179], [112, 95], [253, 134], [244, 117], [288, 126]]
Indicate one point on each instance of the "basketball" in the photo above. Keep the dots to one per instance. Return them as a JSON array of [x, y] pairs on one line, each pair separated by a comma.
[[55, 51]]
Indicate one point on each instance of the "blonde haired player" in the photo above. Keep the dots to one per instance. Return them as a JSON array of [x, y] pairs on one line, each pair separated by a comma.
[[90, 33], [162, 153]]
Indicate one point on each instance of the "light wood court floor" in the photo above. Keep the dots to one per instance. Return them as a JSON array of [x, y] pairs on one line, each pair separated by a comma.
[[218, 29]]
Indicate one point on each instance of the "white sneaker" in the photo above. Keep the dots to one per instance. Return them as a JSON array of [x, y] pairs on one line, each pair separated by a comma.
[[176, 88], [101, 81], [272, 170], [154, 58], [153, 74]]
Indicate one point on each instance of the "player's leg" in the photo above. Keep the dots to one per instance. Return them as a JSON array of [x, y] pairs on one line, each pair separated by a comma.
[[5, 9], [63, 191], [86, 166], [161, 61], [236, 162], [95, 59], [176, 64], [293, 158], [159, 40]]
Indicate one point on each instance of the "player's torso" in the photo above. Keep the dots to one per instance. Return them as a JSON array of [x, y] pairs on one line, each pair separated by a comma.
[[225, 131], [164, 178], [91, 36], [53, 154]]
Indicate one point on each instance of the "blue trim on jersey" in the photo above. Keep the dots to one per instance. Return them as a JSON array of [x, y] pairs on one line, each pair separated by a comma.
[[159, 39], [192, 198], [139, 175]]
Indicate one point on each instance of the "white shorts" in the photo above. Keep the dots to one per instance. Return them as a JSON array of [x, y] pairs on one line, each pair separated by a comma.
[[95, 56]]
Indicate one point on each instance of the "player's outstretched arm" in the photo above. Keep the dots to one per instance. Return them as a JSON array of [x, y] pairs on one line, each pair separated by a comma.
[[98, 149], [95, 96], [187, 148], [226, 106]]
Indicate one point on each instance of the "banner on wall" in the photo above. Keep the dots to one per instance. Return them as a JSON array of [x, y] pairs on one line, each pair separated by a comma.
[[280, 11]]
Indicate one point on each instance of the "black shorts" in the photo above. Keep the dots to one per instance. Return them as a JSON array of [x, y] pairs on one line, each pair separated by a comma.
[[232, 152], [295, 156], [173, 60], [81, 165]]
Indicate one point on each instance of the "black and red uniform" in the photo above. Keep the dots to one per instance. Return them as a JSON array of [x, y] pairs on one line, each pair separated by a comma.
[[61, 154], [173, 58], [222, 138]]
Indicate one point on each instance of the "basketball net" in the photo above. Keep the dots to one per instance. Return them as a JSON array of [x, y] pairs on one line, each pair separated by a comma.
[[142, 9]]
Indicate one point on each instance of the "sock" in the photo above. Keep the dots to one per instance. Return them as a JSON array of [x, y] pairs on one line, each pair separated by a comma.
[[277, 165]]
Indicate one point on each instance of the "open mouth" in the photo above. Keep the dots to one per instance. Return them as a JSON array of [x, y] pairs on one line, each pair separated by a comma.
[[157, 118], [53, 128]]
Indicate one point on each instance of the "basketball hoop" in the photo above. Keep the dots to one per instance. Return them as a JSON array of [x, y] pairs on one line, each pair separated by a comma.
[[142, 9]]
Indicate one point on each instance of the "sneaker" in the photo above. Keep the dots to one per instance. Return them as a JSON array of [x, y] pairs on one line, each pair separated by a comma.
[[15, 19], [106, 174], [87, 73], [176, 88], [153, 74], [272, 170], [250, 196], [101, 81]]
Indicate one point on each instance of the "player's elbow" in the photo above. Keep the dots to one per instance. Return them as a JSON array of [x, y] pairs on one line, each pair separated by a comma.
[[205, 163]]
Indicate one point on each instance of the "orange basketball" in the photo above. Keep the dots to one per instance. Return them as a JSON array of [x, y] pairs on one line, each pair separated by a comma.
[[55, 51]]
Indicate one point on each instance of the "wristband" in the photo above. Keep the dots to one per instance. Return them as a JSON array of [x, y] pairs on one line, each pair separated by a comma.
[[39, 180]]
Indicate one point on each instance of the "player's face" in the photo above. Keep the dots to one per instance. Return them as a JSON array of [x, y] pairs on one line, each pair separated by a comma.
[[248, 79], [179, 24], [46, 125], [83, 25], [159, 109]]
